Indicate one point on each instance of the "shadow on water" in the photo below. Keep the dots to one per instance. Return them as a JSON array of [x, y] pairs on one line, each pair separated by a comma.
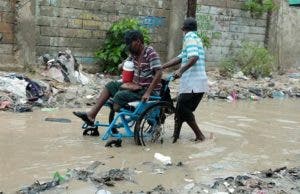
[[247, 136]]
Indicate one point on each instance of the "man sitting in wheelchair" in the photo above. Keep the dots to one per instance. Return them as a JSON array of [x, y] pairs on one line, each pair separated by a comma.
[[146, 80]]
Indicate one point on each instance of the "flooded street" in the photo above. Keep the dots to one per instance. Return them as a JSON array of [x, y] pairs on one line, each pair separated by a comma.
[[247, 136]]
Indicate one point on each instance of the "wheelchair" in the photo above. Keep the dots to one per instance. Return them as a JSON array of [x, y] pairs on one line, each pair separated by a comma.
[[147, 122]]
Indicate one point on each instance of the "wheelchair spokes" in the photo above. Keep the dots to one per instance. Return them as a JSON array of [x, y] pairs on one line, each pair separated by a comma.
[[154, 124]]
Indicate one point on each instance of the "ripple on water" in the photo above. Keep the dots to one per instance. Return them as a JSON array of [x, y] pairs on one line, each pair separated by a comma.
[[211, 127]]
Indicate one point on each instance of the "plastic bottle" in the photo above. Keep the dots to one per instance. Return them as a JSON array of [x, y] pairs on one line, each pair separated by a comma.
[[166, 160], [278, 94], [128, 71], [254, 98]]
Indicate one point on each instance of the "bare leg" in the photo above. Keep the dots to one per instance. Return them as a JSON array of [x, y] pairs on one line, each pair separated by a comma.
[[177, 129], [104, 96], [197, 131]]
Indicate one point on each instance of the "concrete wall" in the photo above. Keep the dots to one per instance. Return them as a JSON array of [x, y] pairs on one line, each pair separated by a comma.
[[30, 28], [7, 39], [227, 26], [81, 25], [284, 36], [26, 33], [177, 15]]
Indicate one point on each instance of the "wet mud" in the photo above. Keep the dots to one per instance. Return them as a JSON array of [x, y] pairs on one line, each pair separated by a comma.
[[249, 138]]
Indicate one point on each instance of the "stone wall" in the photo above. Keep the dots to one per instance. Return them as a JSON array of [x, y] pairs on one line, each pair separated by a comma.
[[7, 40], [228, 26], [81, 25], [284, 40]]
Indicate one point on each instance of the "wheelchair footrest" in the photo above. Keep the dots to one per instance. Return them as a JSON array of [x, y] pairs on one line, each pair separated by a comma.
[[91, 131]]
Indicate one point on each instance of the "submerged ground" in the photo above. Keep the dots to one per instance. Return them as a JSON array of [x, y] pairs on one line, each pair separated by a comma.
[[248, 136]]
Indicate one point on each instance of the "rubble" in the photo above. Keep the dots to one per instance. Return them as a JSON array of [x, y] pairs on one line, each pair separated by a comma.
[[60, 82]]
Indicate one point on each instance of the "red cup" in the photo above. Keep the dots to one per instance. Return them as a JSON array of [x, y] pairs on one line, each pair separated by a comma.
[[127, 76]]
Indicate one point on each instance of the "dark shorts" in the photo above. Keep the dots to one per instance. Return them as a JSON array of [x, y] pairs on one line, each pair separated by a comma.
[[122, 96], [186, 105]]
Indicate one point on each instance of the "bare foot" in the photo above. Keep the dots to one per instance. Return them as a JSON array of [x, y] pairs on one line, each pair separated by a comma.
[[198, 140]]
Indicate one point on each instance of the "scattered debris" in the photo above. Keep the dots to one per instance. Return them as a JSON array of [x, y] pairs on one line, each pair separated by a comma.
[[59, 120], [281, 180], [64, 68], [166, 160], [116, 142]]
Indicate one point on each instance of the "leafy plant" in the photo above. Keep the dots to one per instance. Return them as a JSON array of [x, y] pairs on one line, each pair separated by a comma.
[[113, 50], [205, 39], [252, 59], [227, 67], [204, 24], [258, 7]]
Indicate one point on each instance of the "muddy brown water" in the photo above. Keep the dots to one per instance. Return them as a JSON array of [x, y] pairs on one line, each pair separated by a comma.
[[248, 136]]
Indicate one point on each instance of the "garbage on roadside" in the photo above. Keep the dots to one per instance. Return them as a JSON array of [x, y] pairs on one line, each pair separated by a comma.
[[278, 95], [59, 120], [254, 98], [294, 75], [20, 93], [102, 191], [166, 160], [64, 68], [240, 75], [5, 104], [189, 186], [49, 109]]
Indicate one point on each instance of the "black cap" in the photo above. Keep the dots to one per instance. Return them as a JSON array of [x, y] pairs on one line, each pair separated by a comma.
[[189, 24]]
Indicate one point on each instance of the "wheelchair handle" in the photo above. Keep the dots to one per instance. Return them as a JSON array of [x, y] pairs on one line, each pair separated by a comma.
[[170, 77]]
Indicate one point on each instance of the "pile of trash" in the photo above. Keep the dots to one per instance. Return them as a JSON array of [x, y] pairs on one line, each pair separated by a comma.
[[62, 83], [280, 180], [20, 93], [64, 68], [240, 87]]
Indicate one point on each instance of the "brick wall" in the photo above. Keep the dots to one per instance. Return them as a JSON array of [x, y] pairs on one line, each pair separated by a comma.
[[49, 26], [81, 25], [7, 18], [228, 26]]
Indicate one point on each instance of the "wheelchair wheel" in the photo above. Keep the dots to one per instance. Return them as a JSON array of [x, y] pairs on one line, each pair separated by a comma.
[[154, 124]]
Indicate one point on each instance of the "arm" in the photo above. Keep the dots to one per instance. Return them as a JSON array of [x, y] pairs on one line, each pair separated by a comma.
[[156, 80], [189, 64], [172, 62], [120, 66]]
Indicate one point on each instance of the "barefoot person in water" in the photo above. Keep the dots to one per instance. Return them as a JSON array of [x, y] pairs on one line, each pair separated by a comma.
[[193, 79]]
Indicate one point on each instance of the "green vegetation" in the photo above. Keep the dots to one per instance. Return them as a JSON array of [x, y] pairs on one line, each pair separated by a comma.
[[259, 7], [113, 51], [227, 67], [204, 24], [251, 59], [205, 39]]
